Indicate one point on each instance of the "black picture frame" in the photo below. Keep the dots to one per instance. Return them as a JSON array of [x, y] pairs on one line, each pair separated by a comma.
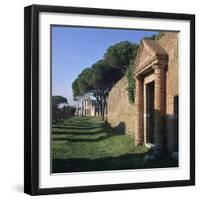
[[31, 98]]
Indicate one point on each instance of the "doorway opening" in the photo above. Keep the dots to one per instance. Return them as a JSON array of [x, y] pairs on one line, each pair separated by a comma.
[[176, 105], [150, 112]]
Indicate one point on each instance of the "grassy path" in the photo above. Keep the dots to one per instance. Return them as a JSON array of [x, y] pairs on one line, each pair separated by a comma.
[[85, 144]]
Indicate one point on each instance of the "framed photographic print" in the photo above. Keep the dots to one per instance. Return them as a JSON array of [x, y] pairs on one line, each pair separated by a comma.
[[109, 100]]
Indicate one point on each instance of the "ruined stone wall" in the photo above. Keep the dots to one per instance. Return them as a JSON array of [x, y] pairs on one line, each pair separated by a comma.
[[120, 113]]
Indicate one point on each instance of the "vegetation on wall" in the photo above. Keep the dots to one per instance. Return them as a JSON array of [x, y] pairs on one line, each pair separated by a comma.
[[159, 35], [131, 84], [154, 36]]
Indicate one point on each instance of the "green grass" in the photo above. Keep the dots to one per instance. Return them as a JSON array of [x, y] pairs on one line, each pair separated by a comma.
[[87, 144]]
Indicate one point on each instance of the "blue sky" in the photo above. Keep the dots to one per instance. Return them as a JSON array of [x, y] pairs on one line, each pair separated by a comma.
[[75, 48]]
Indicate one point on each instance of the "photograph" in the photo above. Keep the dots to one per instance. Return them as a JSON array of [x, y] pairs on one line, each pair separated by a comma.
[[114, 99], [109, 99]]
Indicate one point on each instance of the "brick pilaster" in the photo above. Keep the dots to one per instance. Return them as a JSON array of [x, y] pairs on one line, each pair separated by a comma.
[[159, 105], [139, 103]]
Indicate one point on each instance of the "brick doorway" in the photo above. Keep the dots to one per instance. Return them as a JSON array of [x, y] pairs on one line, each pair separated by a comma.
[[150, 94]]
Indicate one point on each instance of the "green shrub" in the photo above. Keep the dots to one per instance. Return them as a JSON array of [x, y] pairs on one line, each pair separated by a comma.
[[131, 84]]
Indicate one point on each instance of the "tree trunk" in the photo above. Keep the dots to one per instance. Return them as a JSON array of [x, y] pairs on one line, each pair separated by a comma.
[[101, 110], [101, 99], [103, 113]]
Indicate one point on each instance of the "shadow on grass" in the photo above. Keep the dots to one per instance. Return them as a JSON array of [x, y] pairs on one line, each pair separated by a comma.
[[127, 161], [100, 138], [70, 127], [85, 133], [77, 123]]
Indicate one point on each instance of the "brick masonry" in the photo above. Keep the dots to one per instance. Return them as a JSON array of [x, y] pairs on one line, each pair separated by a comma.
[[170, 43], [119, 110]]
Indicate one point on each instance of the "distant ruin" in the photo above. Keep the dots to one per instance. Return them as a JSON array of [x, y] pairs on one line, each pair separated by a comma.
[[88, 107]]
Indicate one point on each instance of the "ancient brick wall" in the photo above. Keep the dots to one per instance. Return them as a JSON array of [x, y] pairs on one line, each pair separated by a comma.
[[120, 111], [170, 42]]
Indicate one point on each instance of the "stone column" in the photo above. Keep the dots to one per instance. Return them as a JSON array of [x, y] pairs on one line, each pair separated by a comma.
[[139, 111], [159, 105]]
